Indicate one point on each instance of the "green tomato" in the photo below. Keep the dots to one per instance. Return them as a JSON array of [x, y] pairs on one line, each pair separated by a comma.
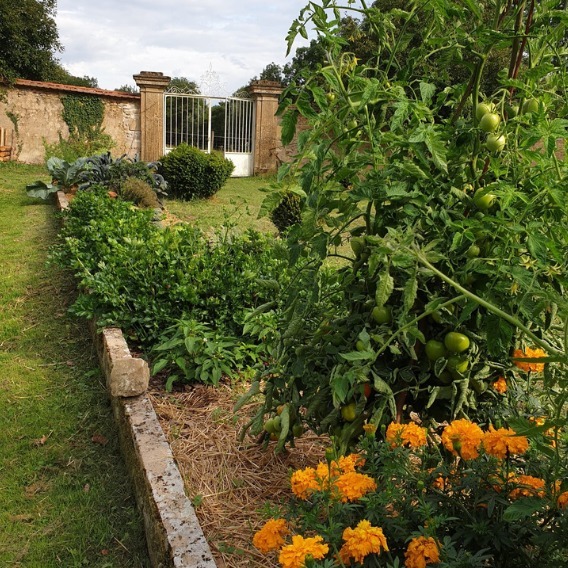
[[482, 109], [297, 430], [489, 122], [473, 251], [456, 342], [360, 346], [530, 105], [457, 365], [435, 349], [495, 142], [330, 97], [349, 412], [352, 124], [381, 314], [482, 200], [357, 245]]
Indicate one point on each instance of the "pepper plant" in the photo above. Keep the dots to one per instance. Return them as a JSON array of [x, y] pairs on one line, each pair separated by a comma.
[[433, 234]]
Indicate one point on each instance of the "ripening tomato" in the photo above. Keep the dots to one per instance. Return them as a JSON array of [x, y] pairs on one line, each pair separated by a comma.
[[495, 142], [435, 349], [349, 412]]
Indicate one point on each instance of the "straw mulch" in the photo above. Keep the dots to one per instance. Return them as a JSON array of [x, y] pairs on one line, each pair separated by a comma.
[[228, 481]]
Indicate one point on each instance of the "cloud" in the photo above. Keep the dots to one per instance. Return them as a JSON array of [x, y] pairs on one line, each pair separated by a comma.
[[112, 41]]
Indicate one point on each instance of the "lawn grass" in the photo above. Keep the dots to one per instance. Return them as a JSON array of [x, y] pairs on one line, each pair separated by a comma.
[[65, 493], [237, 202]]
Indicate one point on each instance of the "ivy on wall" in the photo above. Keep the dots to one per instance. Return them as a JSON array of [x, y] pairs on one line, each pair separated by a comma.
[[83, 115]]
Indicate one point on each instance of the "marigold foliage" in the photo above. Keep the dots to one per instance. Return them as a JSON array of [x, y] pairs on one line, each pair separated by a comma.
[[271, 535], [361, 541], [463, 438], [503, 442], [420, 552], [295, 555]]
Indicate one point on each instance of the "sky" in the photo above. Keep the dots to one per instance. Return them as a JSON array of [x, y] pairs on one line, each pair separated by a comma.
[[220, 43]]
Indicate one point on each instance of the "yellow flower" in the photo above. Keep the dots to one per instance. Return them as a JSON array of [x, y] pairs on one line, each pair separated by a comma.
[[370, 429], [420, 552], [528, 486], [500, 385], [271, 535], [304, 482], [529, 354], [463, 438], [352, 485], [361, 541], [562, 500], [295, 555], [504, 441], [410, 435]]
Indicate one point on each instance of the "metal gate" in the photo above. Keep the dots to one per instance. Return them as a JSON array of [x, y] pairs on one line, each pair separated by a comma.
[[225, 124]]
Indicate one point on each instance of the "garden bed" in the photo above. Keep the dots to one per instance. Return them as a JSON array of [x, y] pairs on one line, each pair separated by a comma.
[[231, 484]]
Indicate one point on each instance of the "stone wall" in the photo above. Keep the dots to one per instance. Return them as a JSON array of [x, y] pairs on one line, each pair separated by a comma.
[[31, 114]]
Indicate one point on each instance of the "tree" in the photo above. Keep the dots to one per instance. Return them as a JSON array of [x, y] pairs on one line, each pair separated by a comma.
[[28, 39]]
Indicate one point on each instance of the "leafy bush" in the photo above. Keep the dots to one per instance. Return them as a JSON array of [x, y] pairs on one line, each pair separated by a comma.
[[144, 279], [193, 174], [73, 149]]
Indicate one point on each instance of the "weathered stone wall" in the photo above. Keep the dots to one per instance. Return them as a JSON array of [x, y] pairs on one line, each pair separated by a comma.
[[31, 112]]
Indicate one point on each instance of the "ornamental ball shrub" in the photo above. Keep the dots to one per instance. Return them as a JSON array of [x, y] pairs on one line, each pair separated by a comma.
[[194, 174], [140, 193]]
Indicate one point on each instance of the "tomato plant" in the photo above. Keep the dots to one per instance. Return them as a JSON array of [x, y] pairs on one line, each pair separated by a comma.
[[456, 230]]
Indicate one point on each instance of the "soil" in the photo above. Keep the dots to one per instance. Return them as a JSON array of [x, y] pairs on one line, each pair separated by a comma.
[[235, 486]]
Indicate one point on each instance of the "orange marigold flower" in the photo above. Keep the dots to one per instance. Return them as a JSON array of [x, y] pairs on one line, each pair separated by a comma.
[[271, 535], [410, 435], [346, 464], [528, 486], [562, 500], [500, 385], [295, 555], [529, 354], [421, 551], [463, 438], [352, 485], [504, 441], [361, 541], [303, 482]]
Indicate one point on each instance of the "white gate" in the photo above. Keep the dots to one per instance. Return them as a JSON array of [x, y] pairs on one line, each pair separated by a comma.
[[225, 124]]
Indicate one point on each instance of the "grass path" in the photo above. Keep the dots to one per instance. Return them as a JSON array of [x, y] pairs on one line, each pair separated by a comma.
[[65, 498]]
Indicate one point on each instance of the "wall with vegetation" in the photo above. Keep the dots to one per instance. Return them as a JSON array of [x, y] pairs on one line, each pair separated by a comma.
[[32, 113]]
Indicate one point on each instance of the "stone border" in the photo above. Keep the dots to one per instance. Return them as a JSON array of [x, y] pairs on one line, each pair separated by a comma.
[[173, 534]]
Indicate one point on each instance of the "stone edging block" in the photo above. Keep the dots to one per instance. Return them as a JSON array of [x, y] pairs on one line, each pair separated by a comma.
[[173, 533]]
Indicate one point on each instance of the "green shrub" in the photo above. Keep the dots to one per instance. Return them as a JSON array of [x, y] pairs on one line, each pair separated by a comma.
[[144, 279], [288, 212], [192, 174], [140, 193], [73, 149]]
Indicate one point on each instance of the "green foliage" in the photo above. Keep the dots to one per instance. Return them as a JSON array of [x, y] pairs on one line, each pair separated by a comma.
[[288, 212], [73, 149], [144, 279], [140, 193], [28, 39], [193, 174], [112, 172], [389, 165], [194, 352]]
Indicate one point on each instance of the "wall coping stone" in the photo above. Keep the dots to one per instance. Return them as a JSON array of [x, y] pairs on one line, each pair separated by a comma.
[[47, 86]]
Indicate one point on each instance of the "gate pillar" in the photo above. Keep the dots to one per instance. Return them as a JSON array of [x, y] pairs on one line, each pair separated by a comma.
[[152, 85], [267, 129]]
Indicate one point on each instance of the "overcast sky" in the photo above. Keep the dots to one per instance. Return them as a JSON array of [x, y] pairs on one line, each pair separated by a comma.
[[112, 40]]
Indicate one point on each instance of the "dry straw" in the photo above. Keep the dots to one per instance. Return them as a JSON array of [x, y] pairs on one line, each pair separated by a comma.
[[229, 482]]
